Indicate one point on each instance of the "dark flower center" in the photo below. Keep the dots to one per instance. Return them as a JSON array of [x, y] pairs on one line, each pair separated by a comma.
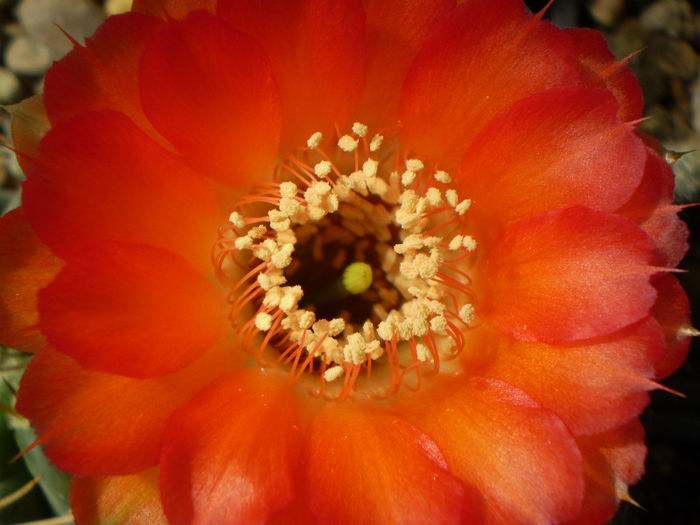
[[350, 269]]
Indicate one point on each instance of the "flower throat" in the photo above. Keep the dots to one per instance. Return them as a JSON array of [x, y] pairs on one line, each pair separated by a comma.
[[353, 265]]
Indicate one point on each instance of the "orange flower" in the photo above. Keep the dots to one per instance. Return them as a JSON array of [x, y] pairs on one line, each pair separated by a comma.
[[341, 262]]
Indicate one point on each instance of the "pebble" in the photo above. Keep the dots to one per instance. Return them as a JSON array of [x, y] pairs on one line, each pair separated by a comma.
[[630, 37], [9, 199], [695, 103], [675, 58], [673, 17], [25, 56], [606, 12], [41, 20], [117, 7], [10, 88]]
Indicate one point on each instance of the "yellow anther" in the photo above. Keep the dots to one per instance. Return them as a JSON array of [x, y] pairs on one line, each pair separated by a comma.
[[360, 129], [315, 140]]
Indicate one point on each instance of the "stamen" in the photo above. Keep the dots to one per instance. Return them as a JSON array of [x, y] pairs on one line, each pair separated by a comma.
[[360, 129], [322, 169], [388, 308], [376, 143], [263, 321], [315, 140], [442, 176], [347, 143]]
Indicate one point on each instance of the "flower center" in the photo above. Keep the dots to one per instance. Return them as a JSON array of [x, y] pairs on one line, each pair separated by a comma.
[[351, 262]]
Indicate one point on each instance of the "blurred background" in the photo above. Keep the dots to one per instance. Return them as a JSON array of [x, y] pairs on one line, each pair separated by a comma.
[[668, 67]]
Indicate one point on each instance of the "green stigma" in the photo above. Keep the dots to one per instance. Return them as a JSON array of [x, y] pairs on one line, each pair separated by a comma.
[[357, 277]]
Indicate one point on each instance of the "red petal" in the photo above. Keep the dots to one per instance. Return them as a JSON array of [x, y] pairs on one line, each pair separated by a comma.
[[229, 454], [99, 177], [131, 310], [177, 9], [611, 461], [396, 30], [654, 190], [519, 455], [672, 311], [452, 92], [209, 90], [670, 234], [599, 68], [123, 499], [317, 50], [599, 506], [370, 467], [553, 150], [592, 387], [623, 449], [103, 75], [26, 266], [294, 515], [565, 276], [652, 207], [93, 423]]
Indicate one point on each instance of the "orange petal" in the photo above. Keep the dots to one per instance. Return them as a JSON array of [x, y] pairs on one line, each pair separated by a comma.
[[131, 310], [98, 177], [452, 92], [670, 234], [611, 461], [26, 266], [369, 467], [651, 206], [94, 424], [655, 189], [553, 150], [599, 68], [209, 90], [396, 30], [317, 50], [103, 75], [128, 500], [297, 513], [519, 455], [566, 276], [229, 454], [623, 449], [177, 9], [672, 311], [599, 506], [592, 386]]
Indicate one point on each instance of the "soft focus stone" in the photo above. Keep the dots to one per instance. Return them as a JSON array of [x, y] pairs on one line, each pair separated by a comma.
[[40, 18], [38, 87], [8, 159], [9, 199], [25, 56], [10, 88], [116, 7], [564, 14], [673, 17], [606, 12], [672, 57], [687, 168], [695, 103], [629, 38], [687, 171]]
